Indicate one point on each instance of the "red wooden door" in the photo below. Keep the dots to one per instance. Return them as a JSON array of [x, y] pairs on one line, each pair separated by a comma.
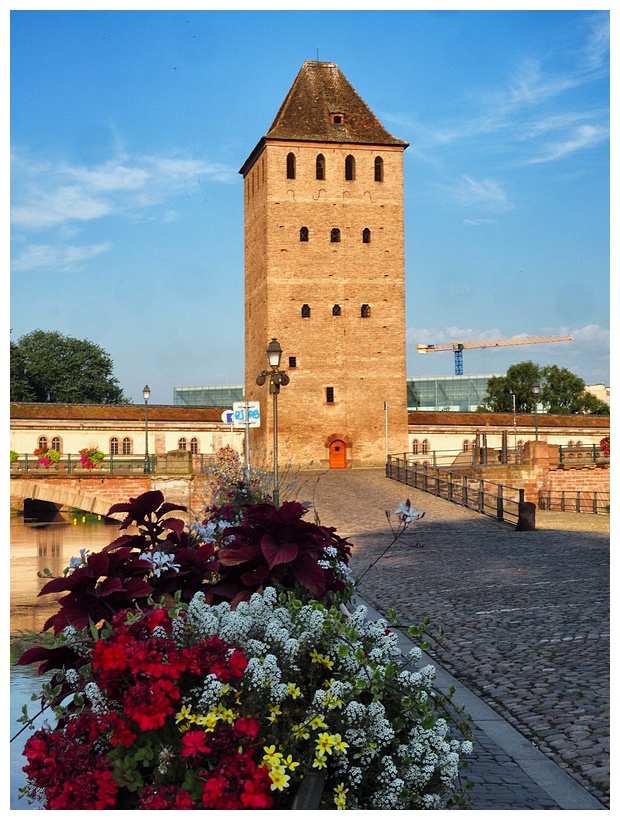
[[337, 455]]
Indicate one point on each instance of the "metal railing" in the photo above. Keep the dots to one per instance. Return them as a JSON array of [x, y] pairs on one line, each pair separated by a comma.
[[477, 456], [479, 494], [576, 456], [71, 465], [580, 501]]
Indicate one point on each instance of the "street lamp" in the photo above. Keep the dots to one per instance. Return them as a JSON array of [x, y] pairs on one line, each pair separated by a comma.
[[535, 392], [146, 392], [277, 378]]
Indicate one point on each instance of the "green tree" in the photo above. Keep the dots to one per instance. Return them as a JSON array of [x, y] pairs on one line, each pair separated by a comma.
[[50, 367], [518, 381], [561, 392]]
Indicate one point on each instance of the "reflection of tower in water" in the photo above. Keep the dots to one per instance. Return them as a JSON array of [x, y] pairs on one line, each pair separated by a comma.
[[49, 542]]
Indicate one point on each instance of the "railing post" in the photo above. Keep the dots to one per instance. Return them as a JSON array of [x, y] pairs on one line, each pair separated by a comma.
[[594, 504], [500, 502], [68, 463], [25, 463], [450, 492], [561, 453], [481, 495], [578, 501], [465, 500]]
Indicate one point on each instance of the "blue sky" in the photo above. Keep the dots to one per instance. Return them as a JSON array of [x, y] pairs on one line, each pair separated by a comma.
[[128, 130]]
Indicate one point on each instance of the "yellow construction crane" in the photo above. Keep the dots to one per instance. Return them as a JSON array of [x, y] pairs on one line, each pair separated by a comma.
[[459, 347]]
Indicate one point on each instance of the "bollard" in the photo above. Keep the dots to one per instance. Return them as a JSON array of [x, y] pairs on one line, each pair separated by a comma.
[[527, 517]]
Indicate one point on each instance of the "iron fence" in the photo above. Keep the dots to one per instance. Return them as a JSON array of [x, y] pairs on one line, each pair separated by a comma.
[[580, 501], [71, 465], [477, 456], [576, 456], [479, 494]]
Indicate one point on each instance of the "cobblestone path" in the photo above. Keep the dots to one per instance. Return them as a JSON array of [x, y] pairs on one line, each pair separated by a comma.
[[525, 614]]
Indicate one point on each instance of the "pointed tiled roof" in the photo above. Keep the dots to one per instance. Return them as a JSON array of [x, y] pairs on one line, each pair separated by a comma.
[[321, 90], [320, 94]]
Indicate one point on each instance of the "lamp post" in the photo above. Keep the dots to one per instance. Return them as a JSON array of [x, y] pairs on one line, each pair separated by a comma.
[[277, 378], [535, 392], [146, 392]]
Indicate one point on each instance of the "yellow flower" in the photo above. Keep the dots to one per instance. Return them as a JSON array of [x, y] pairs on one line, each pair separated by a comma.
[[279, 780], [324, 743], [300, 731], [184, 714], [319, 762], [227, 715], [209, 721], [272, 758], [290, 763], [316, 657], [339, 743], [340, 796], [318, 722], [293, 690], [275, 711]]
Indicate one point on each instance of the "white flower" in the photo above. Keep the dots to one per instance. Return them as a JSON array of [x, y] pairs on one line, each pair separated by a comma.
[[160, 561], [406, 513]]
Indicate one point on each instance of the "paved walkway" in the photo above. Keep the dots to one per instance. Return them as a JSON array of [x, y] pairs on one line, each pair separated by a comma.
[[526, 621]]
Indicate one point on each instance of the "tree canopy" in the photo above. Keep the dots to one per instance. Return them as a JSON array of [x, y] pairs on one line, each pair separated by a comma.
[[50, 367], [561, 391]]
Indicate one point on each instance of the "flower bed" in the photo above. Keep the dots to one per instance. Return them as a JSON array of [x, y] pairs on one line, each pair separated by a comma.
[[220, 668]]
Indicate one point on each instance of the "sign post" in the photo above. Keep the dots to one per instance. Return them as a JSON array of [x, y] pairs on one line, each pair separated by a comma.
[[246, 414]]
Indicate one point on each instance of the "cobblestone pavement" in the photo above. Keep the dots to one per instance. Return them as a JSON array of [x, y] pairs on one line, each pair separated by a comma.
[[525, 614]]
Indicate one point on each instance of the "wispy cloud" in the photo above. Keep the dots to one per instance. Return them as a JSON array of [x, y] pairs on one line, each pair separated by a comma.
[[60, 257], [486, 193], [533, 117], [59, 200], [47, 195]]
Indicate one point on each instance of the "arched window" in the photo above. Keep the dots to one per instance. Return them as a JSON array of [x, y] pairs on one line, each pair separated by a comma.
[[114, 446], [415, 446], [349, 167], [193, 446], [579, 444], [336, 310], [466, 445], [303, 234], [571, 443], [57, 444], [425, 447], [366, 236], [378, 169], [365, 311], [182, 443], [127, 448], [290, 166], [320, 167], [42, 445], [305, 311], [335, 235]]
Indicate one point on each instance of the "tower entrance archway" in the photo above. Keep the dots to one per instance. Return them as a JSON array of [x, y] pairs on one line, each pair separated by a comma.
[[337, 455]]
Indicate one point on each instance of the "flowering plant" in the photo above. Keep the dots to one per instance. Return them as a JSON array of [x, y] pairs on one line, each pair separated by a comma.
[[47, 457], [14, 456], [225, 672], [91, 457], [604, 445], [210, 707]]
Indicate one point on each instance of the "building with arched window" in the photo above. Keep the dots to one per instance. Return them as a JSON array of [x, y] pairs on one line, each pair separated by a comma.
[[334, 169]]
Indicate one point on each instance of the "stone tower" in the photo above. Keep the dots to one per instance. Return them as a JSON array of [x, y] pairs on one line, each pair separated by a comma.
[[325, 275]]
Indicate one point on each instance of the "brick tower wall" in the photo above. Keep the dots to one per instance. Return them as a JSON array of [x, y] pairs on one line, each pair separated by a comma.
[[362, 359]]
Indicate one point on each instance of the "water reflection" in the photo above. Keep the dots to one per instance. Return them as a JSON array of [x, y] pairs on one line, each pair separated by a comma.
[[35, 547]]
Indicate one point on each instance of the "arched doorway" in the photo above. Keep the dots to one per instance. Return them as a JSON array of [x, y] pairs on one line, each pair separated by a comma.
[[337, 455]]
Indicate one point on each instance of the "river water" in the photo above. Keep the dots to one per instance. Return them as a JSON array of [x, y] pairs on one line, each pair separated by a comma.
[[33, 548]]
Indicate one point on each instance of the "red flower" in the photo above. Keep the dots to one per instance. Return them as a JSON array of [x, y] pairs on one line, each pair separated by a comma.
[[194, 743], [256, 792], [247, 726], [165, 797], [237, 663]]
